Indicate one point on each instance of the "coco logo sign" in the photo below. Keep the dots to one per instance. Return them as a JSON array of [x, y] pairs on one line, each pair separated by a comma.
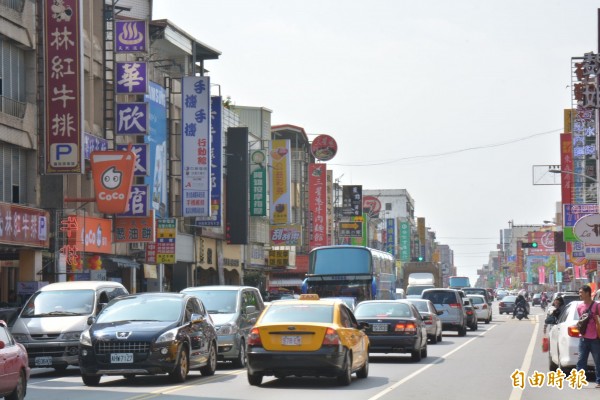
[[113, 176]]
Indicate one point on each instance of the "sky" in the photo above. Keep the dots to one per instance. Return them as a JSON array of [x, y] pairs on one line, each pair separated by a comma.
[[454, 101]]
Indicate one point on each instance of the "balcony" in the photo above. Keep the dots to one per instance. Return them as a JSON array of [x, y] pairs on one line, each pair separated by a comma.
[[12, 107]]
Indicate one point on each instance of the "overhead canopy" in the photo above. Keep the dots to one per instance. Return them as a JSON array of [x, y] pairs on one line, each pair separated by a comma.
[[123, 262]]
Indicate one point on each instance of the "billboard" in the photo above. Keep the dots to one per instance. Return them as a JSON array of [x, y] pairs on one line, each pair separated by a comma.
[[280, 181], [317, 195]]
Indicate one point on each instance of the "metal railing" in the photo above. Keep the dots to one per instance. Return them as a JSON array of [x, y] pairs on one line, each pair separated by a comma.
[[16, 5], [12, 107]]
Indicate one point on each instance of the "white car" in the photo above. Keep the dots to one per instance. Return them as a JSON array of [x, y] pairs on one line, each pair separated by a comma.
[[482, 308], [564, 340]]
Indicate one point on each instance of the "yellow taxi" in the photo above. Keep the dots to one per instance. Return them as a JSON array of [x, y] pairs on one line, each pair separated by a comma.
[[308, 337]]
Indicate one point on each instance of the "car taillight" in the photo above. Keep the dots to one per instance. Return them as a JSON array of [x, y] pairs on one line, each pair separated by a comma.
[[455, 305], [331, 338], [428, 319], [254, 338], [573, 331], [406, 327], [469, 312], [484, 307]]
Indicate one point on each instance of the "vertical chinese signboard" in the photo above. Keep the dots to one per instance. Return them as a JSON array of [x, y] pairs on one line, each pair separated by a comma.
[[317, 185], [404, 241], [390, 230], [352, 202], [280, 184], [258, 184], [163, 252], [566, 164], [195, 135], [63, 82]]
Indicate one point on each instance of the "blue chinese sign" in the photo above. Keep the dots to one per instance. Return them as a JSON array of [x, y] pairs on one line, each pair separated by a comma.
[[131, 36], [157, 158], [132, 77], [216, 166], [141, 157], [132, 119], [138, 202], [93, 143], [390, 235]]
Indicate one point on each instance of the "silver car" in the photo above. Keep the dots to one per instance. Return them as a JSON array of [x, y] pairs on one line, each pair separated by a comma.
[[450, 301], [430, 316]]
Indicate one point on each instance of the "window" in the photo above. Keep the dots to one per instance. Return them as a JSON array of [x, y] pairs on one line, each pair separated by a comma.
[[388, 206], [13, 174], [12, 79]]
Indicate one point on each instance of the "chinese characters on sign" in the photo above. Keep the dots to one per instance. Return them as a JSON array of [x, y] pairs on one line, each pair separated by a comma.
[[352, 202], [318, 210], [351, 229], [135, 229], [279, 258], [132, 118], [575, 380], [404, 241], [258, 184], [23, 226], [280, 181], [196, 162], [163, 250], [286, 235], [390, 235], [63, 81]]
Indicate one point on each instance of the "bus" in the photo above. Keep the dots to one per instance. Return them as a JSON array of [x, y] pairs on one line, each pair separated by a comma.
[[458, 282], [351, 271]]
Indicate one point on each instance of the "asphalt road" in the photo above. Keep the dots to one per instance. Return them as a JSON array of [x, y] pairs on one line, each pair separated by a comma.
[[477, 366]]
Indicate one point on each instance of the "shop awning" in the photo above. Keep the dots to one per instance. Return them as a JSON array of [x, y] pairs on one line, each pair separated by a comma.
[[285, 282], [123, 262]]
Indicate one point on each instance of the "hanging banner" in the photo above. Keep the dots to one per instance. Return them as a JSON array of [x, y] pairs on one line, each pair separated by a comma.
[[195, 134], [258, 183], [156, 178]]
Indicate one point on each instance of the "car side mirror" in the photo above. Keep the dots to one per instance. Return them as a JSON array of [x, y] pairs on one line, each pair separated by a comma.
[[250, 309], [363, 325], [91, 320], [465, 302], [440, 312], [196, 319]]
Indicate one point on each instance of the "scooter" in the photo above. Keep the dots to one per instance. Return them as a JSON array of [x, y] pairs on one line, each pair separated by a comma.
[[520, 312], [544, 304]]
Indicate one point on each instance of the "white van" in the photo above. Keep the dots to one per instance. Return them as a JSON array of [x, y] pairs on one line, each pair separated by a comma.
[[51, 321]]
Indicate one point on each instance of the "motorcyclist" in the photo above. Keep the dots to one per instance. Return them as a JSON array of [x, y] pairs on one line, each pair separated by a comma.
[[520, 302], [552, 316], [544, 301]]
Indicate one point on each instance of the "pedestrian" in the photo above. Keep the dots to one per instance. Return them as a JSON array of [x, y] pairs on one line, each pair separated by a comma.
[[588, 341], [552, 316]]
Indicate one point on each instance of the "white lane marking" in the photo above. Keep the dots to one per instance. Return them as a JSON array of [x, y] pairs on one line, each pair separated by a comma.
[[518, 392], [389, 389]]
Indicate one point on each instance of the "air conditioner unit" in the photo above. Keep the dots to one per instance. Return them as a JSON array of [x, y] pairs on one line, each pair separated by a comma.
[[137, 246]]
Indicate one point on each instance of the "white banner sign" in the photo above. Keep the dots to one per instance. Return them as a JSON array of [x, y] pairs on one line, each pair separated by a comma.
[[195, 133], [587, 229]]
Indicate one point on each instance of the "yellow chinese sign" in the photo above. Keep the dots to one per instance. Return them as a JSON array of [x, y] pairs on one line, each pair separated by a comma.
[[279, 258]]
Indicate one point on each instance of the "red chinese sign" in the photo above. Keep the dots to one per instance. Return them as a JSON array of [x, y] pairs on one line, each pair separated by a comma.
[[63, 80], [23, 226], [566, 164], [87, 234], [135, 229], [317, 188], [324, 147]]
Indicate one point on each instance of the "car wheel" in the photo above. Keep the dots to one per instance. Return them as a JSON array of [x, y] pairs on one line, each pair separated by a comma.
[[20, 389], [211, 365], [434, 339], [90, 380], [181, 369], [439, 339], [424, 351], [474, 326], [254, 379], [364, 371], [240, 361], [462, 331], [415, 355], [487, 321], [346, 378]]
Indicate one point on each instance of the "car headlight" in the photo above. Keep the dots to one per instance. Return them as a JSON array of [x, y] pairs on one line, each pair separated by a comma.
[[85, 338], [71, 335], [20, 337], [227, 329], [168, 336]]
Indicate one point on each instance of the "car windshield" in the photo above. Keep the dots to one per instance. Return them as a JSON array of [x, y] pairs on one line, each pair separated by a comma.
[[141, 308], [476, 300], [508, 299], [217, 301], [319, 313], [390, 309], [58, 303]]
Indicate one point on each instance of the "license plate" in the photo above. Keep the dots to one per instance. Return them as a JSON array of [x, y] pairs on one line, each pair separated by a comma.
[[380, 327], [291, 341], [121, 358], [43, 361]]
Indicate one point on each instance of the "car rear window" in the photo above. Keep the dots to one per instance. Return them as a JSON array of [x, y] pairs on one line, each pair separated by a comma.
[[421, 305], [383, 310], [440, 297], [320, 313]]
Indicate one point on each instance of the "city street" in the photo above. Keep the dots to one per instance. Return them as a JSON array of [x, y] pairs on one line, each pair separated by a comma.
[[476, 366]]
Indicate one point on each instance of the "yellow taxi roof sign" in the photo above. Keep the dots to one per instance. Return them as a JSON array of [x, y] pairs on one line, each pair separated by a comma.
[[309, 296]]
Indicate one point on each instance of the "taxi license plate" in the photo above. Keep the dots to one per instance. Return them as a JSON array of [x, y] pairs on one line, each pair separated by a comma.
[[43, 361], [291, 341], [380, 327], [121, 358]]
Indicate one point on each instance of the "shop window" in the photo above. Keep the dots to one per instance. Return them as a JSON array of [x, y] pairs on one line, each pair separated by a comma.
[[209, 256]]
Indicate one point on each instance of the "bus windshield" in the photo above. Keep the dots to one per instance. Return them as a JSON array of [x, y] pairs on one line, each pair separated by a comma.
[[459, 282], [341, 260]]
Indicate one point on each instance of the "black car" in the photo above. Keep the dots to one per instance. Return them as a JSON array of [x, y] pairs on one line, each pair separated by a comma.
[[395, 326], [147, 334], [471, 314]]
